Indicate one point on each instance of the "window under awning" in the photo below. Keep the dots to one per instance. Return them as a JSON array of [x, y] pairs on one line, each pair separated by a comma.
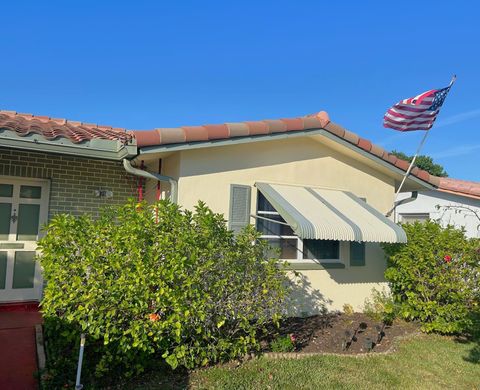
[[326, 214]]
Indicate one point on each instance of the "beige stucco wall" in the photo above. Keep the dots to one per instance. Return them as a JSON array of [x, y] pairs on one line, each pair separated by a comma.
[[206, 174]]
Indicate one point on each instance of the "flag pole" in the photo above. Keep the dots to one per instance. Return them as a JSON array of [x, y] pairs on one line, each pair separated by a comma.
[[422, 142]]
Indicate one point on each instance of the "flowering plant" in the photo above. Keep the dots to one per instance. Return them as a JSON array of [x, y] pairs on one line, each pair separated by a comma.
[[435, 277]]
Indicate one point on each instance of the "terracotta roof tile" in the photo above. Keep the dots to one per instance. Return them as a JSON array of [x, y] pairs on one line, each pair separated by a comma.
[[333, 128], [351, 137], [293, 123], [257, 128], [402, 164], [53, 128], [24, 124], [365, 144], [171, 135], [147, 137], [424, 175], [238, 129], [276, 126], [195, 133], [377, 151], [462, 187], [217, 131]]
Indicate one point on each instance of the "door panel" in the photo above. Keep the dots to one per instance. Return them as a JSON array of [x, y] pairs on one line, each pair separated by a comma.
[[6, 190], [23, 210], [28, 222], [3, 269], [5, 214], [24, 270]]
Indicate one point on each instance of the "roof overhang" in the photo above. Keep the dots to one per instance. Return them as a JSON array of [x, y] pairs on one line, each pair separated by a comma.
[[412, 183], [95, 148], [327, 214]]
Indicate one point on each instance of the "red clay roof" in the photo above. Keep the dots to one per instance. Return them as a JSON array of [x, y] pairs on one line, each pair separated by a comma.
[[321, 120], [52, 128], [460, 187], [164, 136]]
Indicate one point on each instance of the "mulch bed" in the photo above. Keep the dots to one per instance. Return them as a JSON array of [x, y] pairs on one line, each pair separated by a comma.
[[343, 334]]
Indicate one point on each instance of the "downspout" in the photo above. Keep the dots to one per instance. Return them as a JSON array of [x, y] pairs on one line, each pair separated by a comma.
[[403, 201], [154, 176]]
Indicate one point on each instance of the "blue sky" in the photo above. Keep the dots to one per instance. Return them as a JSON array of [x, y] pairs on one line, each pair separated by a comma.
[[143, 64]]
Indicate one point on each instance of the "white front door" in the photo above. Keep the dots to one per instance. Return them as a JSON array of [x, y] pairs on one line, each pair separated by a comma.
[[23, 211]]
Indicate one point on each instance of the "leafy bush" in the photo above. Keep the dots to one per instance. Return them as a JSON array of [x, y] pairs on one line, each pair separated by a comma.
[[148, 281], [348, 309], [435, 277], [283, 344], [381, 307]]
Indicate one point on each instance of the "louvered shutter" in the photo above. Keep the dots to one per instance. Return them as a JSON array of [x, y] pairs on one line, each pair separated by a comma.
[[357, 253], [239, 215]]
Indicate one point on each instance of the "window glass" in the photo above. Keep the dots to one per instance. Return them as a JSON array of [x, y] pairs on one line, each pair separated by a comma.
[[24, 270], [5, 215], [263, 203], [6, 190], [30, 192], [284, 248], [270, 228], [321, 249], [28, 221]]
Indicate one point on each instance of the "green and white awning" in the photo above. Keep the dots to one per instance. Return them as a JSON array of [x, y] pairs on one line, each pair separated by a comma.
[[325, 214]]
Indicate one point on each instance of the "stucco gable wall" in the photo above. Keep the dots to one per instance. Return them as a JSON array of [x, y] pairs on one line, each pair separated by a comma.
[[206, 174]]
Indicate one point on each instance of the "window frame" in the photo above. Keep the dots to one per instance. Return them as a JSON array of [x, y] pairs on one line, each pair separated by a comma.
[[300, 247], [414, 215]]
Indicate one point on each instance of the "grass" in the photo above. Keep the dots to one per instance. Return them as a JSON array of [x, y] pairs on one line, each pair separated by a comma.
[[425, 362]]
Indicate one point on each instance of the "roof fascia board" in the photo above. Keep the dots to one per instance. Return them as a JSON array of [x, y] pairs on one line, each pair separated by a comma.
[[105, 150], [376, 159], [268, 137], [225, 142]]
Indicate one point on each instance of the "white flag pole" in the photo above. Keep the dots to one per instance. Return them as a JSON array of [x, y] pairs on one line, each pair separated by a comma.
[[417, 153]]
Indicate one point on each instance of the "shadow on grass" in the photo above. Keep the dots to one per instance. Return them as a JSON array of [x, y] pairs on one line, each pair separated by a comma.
[[473, 339], [161, 378]]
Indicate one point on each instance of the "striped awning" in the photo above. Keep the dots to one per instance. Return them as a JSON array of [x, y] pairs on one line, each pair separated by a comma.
[[325, 214]]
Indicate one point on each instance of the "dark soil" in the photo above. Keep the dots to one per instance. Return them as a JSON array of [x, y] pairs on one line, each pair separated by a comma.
[[345, 334]]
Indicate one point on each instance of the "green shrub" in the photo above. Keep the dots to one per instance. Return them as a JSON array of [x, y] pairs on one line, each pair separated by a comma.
[[145, 282], [381, 307], [435, 277], [283, 344]]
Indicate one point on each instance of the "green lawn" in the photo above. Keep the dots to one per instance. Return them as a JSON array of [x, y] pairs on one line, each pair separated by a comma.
[[425, 362]]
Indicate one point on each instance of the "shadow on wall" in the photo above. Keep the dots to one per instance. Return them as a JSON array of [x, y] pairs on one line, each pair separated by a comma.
[[358, 275], [304, 299]]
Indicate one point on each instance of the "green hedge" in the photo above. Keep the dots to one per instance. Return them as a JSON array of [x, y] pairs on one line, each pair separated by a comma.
[[155, 282], [435, 277]]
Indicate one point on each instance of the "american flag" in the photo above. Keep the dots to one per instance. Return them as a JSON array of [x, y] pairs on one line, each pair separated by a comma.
[[417, 113]]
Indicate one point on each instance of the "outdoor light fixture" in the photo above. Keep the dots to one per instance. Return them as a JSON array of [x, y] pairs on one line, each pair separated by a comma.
[[103, 193]]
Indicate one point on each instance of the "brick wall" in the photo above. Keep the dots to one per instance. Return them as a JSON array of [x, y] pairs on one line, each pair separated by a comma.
[[73, 180]]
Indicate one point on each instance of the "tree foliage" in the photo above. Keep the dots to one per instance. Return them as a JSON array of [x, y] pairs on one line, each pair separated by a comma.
[[423, 162], [435, 277], [144, 281]]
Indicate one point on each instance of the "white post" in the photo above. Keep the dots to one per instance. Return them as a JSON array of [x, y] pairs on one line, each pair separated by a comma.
[[79, 386], [411, 164]]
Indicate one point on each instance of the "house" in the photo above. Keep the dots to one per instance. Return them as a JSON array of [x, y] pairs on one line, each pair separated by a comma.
[[316, 191], [455, 202]]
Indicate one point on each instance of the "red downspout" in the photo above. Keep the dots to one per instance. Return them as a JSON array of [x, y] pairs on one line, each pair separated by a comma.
[[140, 184], [159, 193]]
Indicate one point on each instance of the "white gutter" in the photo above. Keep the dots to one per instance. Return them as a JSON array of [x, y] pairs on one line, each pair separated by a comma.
[[154, 176]]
